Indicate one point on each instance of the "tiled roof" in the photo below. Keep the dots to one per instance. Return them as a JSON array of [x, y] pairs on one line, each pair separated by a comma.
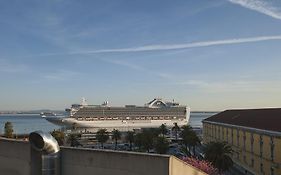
[[266, 119]]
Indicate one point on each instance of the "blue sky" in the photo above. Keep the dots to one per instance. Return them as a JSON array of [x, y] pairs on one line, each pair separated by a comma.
[[210, 55]]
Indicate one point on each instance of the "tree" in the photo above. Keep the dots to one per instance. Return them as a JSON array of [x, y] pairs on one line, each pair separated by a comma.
[[219, 154], [176, 129], [102, 136], [163, 129], [8, 130], [161, 145], [130, 137], [73, 139], [147, 139], [74, 126], [116, 135], [138, 141], [59, 136], [189, 138]]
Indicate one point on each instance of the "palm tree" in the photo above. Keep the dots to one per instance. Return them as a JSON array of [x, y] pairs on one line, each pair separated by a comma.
[[130, 137], [185, 135], [8, 130], [147, 137], [194, 141], [161, 145], [102, 136], [176, 129], [116, 135], [73, 140], [189, 138], [138, 141], [218, 153], [163, 129]]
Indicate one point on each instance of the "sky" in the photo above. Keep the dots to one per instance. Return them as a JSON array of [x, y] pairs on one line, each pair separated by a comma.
[[209, 55]]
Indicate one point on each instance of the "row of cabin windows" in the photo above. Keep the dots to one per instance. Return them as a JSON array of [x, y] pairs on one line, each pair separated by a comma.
[[125, 118], [220, 134]]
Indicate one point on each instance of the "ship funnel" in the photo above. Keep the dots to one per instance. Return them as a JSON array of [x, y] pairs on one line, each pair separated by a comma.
[[47, 146]]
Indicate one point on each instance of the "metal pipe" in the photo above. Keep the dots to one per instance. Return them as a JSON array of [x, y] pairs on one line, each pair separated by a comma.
[[49, 148]]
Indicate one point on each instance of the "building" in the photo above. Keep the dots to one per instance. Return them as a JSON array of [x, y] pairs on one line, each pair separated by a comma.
[[254, 134]]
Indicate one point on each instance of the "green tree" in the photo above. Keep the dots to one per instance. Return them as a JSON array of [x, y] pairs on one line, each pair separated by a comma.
[[176, 129], [161, 145], [194, 141], [59, 136], [189, 138], [218, 153], [116, 135], [130, 137], [74, 126], [73, 139], [185, 135], [163, 129], [138, 140], [147, 139], [8, 130], [102, 136]]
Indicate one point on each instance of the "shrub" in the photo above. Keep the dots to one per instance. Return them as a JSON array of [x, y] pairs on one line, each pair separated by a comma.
[[203, 165]]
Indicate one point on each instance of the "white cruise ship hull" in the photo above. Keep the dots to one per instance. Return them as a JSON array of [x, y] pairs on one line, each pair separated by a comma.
[[152, 115], [125, 124]]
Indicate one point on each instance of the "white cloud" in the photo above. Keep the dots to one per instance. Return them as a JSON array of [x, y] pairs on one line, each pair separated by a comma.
[[234, 86], [171, 46], [8, 67], [139, 68], [184, 46], [262, 6], [61, 75]]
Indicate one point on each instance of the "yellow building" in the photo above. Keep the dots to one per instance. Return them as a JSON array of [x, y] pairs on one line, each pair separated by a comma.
[[254, 134]]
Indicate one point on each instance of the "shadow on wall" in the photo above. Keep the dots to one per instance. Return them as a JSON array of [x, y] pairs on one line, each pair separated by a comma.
[[9, 172]]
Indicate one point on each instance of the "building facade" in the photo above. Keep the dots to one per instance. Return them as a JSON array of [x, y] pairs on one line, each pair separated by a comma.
[[255, 136]]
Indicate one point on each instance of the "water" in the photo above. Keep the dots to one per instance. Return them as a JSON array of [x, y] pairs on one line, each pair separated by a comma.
[[26, 123]]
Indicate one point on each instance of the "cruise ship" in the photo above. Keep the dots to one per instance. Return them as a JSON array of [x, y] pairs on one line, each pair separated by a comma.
[[151, 115]]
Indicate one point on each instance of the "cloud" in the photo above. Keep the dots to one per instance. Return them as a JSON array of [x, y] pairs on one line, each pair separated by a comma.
[[8, 67], [139, 68], [234, 86], [262, 6], [170, 46], [185, 46], [61, 75]]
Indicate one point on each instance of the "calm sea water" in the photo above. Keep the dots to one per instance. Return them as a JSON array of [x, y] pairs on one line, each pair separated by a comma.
[[28, 123]]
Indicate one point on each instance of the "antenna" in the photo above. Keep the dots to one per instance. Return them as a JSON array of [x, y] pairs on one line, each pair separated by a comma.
[[84, 101]]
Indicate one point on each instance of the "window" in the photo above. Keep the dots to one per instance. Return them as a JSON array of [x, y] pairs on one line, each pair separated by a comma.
[[261, 167], [271, 171], [253, 162], [261, 146], [252, 142], [232, 136], [227, 135], [272, 148], [244, 140], [238, 143]]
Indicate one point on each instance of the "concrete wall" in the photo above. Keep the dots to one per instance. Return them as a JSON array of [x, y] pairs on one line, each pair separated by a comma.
[[178, 167], [15, 160], [86, 161], [14, 157]]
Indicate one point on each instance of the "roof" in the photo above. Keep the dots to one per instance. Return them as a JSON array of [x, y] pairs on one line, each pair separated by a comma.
[[265, 119]]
